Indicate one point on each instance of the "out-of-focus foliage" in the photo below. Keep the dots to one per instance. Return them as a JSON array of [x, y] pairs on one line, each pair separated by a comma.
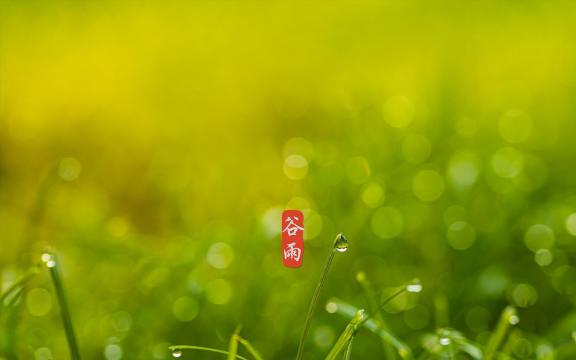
[[153, 145]]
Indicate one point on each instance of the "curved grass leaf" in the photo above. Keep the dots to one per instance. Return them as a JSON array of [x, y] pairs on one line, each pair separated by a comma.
[[350, 311], [347, 335], [203, 348]]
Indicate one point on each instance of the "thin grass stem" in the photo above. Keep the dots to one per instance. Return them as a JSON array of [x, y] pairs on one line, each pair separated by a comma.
[[372, 304], [340, 245], [349, 311], [177, 348], [233, 345], [18, 284], [52, 264], [250, 348], [346, 335], [507, 318], [384, 303], [348, 351]]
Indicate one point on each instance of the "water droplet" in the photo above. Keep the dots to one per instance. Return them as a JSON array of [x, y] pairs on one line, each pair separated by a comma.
[[177, 353], [341, 243], [444, 341], [414, 287], [49, 260], [514, 319]]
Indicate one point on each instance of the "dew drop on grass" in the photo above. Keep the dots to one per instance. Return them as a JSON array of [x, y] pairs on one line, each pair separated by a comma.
[[341, 243], [48, 259], [176, 353], [414, 287], [514, 319], [444, 341]]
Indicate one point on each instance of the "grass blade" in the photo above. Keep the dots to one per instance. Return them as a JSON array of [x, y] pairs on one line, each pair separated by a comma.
[[508, 317], [24, 254], [372, 304], [448, 343], [52, 264], [349, 311], [233, 345], [17, 285], [250, 348], [177, 350], [232, 352], [340, 245], [347, 335], [349, 348]]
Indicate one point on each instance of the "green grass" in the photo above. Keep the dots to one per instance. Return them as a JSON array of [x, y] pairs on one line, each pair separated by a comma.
[[345, 340], [51, 262], [340, 245]]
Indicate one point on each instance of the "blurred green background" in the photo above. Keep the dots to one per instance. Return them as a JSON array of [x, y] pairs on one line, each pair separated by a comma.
[[154, 145]]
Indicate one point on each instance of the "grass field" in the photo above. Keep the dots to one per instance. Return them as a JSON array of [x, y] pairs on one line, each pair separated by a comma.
[[148, 149]]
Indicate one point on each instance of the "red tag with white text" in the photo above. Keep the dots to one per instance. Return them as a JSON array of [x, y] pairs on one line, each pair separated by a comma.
[[292, 238]]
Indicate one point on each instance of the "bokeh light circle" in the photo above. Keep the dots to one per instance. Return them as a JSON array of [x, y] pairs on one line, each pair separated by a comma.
[[387, 222], [428, 185]]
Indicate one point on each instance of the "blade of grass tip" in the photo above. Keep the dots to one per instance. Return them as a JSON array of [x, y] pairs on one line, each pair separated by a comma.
[[177, 350], [349, 311], [233, 345], [372, 304], [346, 335], [340, 245], [51, 262], [508, 317], [385, 302], [250, 348]]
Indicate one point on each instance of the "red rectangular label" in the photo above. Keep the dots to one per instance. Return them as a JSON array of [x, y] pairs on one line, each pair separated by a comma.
[[292, 238]]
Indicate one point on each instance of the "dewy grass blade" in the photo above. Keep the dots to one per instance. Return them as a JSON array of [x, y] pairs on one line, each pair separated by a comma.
[[51, 262], [509, 317], [385, 302], [346, 335], [460, 342], [403, 350], [177, 350], [349, 311], [232, 352], [372, 304], [340, 245]]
